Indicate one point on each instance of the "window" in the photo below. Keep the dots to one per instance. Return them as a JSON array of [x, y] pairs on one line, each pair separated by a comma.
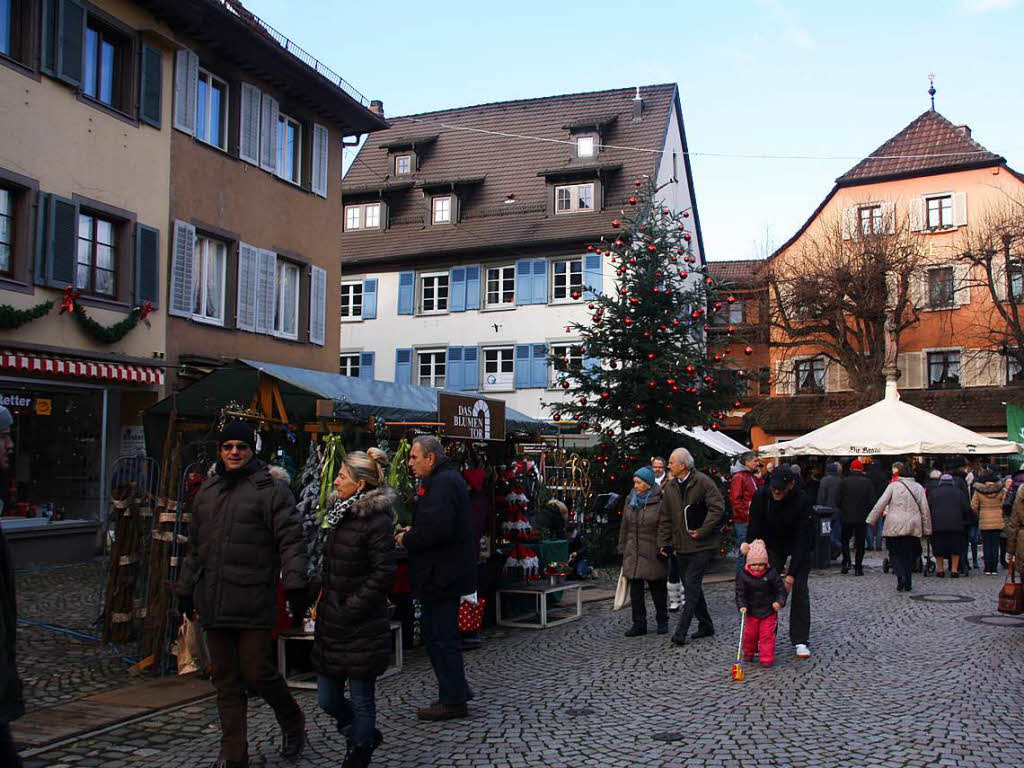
[[501, 286], [349, 365], [106, 75], [286, 308], [352, 301], [810, 376], [585, 146], [434, 292], [212, 110], [430, 368], [730, 314], [362, 216], [943, 370], [403, 164], [1016, 279], [764, 381], [940, 212], [96, 264], [940, 287], [1014, 372], [566, 279], [574, 198], [871, 219], [498, 368], [6, 24], [6, 230], [442, 210], [565, 357], [210, 262], [289, 149]]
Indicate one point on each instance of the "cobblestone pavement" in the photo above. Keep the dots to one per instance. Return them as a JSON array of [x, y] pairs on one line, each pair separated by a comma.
[[895, 680], [57, 667]]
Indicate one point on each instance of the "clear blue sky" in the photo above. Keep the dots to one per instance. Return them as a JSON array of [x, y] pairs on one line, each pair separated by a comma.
[[755, 77]]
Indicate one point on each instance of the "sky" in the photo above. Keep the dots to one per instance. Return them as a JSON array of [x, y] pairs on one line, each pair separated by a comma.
[[819, 80]]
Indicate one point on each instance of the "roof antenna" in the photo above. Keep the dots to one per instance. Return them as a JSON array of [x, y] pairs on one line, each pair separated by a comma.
[[931, 88]]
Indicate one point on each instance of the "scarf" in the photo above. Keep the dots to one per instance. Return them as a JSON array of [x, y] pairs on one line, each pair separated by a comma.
[[639, 500], [334, 515], [337, 512]]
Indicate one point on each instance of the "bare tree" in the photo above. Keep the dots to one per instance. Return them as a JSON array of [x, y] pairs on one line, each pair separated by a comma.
[[833, 291]]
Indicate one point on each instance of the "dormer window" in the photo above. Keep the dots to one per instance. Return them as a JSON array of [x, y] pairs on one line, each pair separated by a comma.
[[441, 210], [403, 165], [574, 198], [362, 216], [586, 146]]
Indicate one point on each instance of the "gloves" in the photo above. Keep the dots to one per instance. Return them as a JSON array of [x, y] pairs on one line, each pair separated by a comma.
[[186, 605], [298, 602]]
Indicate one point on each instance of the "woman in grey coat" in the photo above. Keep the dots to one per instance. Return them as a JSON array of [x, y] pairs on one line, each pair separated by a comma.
[[638, 543], [904, 505]]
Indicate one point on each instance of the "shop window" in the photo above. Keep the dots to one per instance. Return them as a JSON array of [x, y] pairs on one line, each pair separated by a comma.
[[97, 264], [286, 307], [574, 198], [209, 267], [212, 110], [430, 367], [434, 293], [289, 149], [352, 300], [107, 65], [349, 365], [564, 357], [566, 279], [6, 232], [940, 287], [943, 370], [498, 368], [810, 376], [501, 286]]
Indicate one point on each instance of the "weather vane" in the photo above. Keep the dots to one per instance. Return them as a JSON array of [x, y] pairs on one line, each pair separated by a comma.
[[931, 88]]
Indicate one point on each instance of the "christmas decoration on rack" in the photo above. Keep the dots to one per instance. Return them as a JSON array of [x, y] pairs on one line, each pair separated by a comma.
[[512, 501], [11, 318], [103, 334]]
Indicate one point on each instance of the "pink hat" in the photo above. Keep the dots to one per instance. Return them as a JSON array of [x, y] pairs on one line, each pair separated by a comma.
[[757, 553]]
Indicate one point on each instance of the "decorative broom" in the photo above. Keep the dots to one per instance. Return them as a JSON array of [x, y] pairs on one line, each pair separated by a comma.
[[736, 670]]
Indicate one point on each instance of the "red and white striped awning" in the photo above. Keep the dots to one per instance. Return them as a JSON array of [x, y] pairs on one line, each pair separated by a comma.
[[14, 360]]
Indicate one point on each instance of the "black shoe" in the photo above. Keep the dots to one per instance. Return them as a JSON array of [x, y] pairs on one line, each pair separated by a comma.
[[941, 574], [679, 640], [439, 711], [845, 568], [469, 697], [702, 632], [232, 763], [954, 575], [858, 570], [636, 630], [663, 627], [357, 757], [293, 741], [899, 586]]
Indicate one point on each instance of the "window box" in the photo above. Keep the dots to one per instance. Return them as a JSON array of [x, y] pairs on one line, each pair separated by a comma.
[[574, 198], [351, 301]]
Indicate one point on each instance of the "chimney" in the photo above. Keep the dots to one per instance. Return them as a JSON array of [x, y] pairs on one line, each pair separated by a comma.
[[377, 107], [965, 130], [638, 107]]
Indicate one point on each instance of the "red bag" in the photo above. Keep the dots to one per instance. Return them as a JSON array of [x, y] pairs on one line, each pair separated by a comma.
[[1011, 596], [471, 615]]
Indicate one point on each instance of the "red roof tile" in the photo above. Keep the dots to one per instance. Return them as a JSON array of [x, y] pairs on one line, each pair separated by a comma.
[[741, 272]]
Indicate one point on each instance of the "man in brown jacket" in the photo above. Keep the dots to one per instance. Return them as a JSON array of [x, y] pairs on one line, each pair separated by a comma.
[[689, 531]]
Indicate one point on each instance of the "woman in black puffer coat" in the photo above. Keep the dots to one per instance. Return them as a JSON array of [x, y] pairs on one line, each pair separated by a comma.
[[353, 638]]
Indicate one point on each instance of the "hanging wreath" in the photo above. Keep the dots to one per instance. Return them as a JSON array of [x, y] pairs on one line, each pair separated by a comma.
[[104, 334], [11, 318]]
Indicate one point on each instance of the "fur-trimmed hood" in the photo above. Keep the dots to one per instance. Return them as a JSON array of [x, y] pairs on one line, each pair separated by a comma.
[[380, 499], [276, 472]]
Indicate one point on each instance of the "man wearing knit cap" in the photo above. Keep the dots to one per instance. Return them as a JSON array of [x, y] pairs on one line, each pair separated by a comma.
[[12, 706], [857, 496], [246, 534]]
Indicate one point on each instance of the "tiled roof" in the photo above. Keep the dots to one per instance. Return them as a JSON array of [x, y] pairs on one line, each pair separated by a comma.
[[745, 272], [511, 165], [930, 144], [977, 408]]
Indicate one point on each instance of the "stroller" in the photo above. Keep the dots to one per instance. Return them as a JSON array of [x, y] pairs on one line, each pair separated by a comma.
[[925, 564]]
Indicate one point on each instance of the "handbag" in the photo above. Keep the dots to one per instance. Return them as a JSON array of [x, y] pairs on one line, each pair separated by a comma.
[[1011, 596], [621, 593], [471, 615]]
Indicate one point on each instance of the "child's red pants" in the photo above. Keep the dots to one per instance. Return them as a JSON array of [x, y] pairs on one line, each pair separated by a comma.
[[759, 637]]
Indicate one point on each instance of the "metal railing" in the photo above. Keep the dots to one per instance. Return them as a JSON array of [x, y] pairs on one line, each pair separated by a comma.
[[235, 7]]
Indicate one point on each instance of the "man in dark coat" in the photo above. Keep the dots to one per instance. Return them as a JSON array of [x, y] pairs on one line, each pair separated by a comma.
[[442, 568], [782, 516], [12, 706], [857, 496], [828, 496], [246, 533]]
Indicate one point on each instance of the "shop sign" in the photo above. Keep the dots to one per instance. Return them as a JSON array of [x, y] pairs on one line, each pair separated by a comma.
[[133, 441], [44, 406], [16, 401], [471, 418], [40, 406]]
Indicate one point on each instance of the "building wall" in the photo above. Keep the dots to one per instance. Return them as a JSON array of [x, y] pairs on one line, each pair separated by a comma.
[[676, 194]]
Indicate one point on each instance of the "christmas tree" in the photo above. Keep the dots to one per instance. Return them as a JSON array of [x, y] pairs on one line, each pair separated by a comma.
[[643, 368]]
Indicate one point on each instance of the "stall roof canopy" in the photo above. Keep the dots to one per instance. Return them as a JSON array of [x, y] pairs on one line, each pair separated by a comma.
[[716, 440], [355, 399]]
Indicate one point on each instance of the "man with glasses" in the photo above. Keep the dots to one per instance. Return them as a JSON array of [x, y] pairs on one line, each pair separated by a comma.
[[246, 533], [12, 706]]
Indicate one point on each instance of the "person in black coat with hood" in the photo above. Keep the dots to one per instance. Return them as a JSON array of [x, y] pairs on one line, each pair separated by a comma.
[[442, 568], [353, 635]]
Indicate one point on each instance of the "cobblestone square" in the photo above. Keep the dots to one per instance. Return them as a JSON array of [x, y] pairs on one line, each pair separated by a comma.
[[895, 680]]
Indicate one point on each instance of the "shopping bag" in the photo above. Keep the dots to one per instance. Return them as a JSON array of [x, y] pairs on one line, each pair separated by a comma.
[[471, 615], [188, 647], [1011, 596], [621, 593]]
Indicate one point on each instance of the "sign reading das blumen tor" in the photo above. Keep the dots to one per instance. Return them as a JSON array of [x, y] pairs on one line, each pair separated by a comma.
[[471, 418]]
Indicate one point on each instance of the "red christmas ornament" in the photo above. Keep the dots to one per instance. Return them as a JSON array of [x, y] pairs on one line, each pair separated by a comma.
[[736, 404], [628, 321], [718, 358], [647, 334], [632, 260], [576, 294], [623, 292], [652, 383], [686, 214], [656, 289], [619, 243], [748, 350], [668, 406], [605, 395], [665, 211], [584, 424], [590, 248], [731, 330], [638, 183], [730, 298], [638, 407], [557, 417], [709, 281], [686, 236], [590, 306], [652, 248], [675, 387], [657, 275], [715, 427], [633, 200], [616, 223], [651, 355], [675, 322], [565, 385], [683, 273], [613, 364]]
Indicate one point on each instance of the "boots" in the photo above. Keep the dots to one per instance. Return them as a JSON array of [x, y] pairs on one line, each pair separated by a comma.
[[663, 625], [293, 740], [858, 570], [357, 757], [637, 629]]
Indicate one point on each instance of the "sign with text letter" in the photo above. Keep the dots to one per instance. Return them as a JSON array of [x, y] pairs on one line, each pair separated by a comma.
[[471, 418]]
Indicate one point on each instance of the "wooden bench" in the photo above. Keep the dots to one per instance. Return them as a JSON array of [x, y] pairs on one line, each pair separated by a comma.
[[302, 681]]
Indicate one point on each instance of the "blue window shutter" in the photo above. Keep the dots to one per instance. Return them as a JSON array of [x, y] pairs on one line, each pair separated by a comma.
[[591, 275], [524, 281], [403, 366], [457, 290], [406, 292], [522, 373], [370, 299], [453, 368], [539, 366], [470, 368], [366, 365], [473, 287], [591, 365], [540, 281]]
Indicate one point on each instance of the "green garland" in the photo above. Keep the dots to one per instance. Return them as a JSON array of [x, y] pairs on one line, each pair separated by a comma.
[[106, 334], [11, 318]]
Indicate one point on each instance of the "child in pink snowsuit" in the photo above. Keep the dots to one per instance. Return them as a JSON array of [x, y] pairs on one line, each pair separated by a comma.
[[760, 594]]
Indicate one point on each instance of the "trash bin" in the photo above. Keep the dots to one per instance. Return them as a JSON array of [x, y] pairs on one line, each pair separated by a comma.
[[822, 536]]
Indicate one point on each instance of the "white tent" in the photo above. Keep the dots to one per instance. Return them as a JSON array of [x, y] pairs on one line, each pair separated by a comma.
[[716, 440], [889, 427]]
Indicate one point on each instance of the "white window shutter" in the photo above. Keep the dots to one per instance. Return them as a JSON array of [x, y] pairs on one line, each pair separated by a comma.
[[999, 277], [917, 220], [784, 378], [249, 124], [266, 291], [919, 288], [889, 217], [849, 222], [321, 138], [269, 113], [183, 287], [186, 82], [959, 209], [961, 284], [911, 365], [248, 263], [983, 368], [317, 305]]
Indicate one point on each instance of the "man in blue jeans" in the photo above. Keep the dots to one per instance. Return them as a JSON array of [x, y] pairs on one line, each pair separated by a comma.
[[442, 568]]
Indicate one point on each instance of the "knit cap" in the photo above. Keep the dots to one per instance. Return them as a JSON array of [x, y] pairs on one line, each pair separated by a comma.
[[646, 474], [757, 553], [238, 431]]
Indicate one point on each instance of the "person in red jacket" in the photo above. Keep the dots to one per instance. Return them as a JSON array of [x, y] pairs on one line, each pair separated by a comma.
[[746, 480]]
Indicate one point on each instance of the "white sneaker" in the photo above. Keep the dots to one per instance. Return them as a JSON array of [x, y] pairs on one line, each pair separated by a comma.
[[802, 651], [673, 606]]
